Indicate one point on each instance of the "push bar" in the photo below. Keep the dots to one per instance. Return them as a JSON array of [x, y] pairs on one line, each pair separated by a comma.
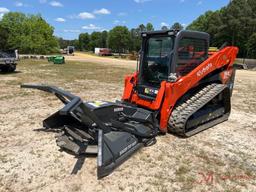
[[74, 103], [49, 89]]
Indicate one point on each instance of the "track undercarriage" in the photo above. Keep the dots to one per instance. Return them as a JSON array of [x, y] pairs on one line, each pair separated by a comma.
[[204, 109]]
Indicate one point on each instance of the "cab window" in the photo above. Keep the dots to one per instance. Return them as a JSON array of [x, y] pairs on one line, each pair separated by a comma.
[[191, 53]]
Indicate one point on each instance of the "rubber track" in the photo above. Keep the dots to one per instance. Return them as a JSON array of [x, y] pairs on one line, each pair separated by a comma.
[[181, 113]]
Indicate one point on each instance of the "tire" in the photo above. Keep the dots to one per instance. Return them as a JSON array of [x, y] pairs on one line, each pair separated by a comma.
[[12, 68], [8, 68]]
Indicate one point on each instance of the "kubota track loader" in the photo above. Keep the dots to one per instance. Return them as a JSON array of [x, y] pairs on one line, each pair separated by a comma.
[[178, 87]]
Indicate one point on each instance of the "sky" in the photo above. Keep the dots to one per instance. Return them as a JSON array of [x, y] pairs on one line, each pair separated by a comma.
[[72, 17]]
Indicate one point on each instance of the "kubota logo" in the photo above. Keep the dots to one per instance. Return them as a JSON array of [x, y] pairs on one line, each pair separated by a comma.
[[204, 70]]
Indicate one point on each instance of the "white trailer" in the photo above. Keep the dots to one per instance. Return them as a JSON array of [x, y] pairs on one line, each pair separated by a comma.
[[97, 51]]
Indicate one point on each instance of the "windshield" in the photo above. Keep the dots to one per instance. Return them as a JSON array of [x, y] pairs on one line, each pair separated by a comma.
[[157, 59]]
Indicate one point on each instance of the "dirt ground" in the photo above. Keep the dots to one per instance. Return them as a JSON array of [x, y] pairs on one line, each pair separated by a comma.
[[83, 57], [219, 159]]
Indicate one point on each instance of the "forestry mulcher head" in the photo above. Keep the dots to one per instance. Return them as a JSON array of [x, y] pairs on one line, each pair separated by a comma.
[[112, 131]]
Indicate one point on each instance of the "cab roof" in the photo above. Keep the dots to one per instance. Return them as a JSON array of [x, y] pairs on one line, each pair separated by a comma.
[[159, 32], [175, 33]]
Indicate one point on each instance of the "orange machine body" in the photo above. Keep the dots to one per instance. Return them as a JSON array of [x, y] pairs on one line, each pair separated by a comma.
[[170, 92]]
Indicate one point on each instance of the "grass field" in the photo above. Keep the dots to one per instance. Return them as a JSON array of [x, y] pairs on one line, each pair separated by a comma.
[[218, 159]]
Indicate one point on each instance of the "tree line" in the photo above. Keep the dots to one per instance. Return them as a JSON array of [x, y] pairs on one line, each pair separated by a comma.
[[27, 33], [234, 24], [31, 34], [120, 39]]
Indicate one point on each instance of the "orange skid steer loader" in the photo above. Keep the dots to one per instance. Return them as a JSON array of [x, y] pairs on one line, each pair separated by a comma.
[[178, 87]]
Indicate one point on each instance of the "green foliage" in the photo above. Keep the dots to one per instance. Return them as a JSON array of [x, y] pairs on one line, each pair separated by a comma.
[[164, 28], [251, 46], [135, 44], [65, 43], [96, 40], [177, 26], [150, 27], [119, 39], [84, 40], [142, 27], [28, 33], [234, 24], [104, 39], [3, 36], [130, 40], [87, 42], [202, 22]]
